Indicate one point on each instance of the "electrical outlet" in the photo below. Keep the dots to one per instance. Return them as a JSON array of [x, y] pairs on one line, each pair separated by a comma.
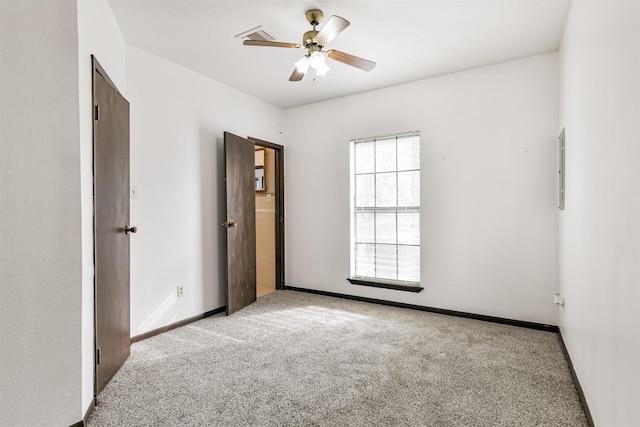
[[558, 300], [180, 291]]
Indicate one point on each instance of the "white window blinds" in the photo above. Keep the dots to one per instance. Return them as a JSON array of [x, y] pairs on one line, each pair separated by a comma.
[[385, 222]]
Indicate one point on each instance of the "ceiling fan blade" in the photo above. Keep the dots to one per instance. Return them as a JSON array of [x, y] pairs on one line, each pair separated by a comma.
[[296, 76], [270, 44], [354, 61], [331, 29]]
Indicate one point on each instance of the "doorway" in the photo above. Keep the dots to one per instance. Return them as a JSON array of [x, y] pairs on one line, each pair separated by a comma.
[[265, 221], [269, 188]]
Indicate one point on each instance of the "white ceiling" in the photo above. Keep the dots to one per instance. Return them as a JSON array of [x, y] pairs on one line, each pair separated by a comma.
[[408, 39]]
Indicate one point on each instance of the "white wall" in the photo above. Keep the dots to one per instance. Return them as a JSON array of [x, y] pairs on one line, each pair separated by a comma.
[[40, 244], [489, 205], [600, 229], [177, 122], [98, 34]]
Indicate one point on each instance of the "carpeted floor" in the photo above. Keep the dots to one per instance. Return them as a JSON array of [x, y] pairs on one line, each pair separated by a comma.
[[298, 359]]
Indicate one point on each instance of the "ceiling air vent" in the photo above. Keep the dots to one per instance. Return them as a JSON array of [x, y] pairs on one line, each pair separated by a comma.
[[256, 34], [260, 35]]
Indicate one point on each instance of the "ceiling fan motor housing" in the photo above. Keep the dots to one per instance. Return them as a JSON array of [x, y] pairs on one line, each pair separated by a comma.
[[309, 40], [314, 16]]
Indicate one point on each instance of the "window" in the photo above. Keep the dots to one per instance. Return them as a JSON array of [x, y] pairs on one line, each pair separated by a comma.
[[385, 210]]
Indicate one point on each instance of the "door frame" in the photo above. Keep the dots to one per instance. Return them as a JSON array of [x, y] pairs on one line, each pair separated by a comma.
[[279, 216], [96, 69]]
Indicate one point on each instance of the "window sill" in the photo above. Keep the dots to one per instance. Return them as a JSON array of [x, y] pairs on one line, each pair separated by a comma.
[[393, 286]]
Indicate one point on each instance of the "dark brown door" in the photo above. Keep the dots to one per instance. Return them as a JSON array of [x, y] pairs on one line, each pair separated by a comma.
[[241, 222], [111, 204]]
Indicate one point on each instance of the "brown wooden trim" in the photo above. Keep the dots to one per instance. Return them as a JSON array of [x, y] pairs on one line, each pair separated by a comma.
[[95, 68], [281, 214], [394, 286], [279, 177], [280, 259], [262, 143], [178, 324], [576, 381], [512, 322]]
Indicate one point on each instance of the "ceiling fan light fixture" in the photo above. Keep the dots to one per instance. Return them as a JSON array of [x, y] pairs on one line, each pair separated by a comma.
[[317, 60], [302, 65], [319, 63], [322, 69]]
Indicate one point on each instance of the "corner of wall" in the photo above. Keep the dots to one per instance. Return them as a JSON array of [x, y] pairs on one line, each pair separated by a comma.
[[599, 232], [40, 319], [98, 35]]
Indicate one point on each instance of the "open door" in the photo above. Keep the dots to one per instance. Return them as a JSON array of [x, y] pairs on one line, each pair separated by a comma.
[[111, 227], [240, 222]]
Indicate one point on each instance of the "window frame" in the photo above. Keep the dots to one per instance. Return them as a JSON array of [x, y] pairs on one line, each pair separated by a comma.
[[396, 284]]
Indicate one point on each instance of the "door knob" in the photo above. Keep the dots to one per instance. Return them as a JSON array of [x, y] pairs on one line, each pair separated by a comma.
[[229, 224], [128, 229]]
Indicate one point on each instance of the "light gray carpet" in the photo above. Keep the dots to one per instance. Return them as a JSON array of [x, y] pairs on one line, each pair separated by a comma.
[[299, 359]]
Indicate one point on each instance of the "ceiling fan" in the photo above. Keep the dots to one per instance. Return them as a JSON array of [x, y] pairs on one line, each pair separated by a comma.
[[314, 41]]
